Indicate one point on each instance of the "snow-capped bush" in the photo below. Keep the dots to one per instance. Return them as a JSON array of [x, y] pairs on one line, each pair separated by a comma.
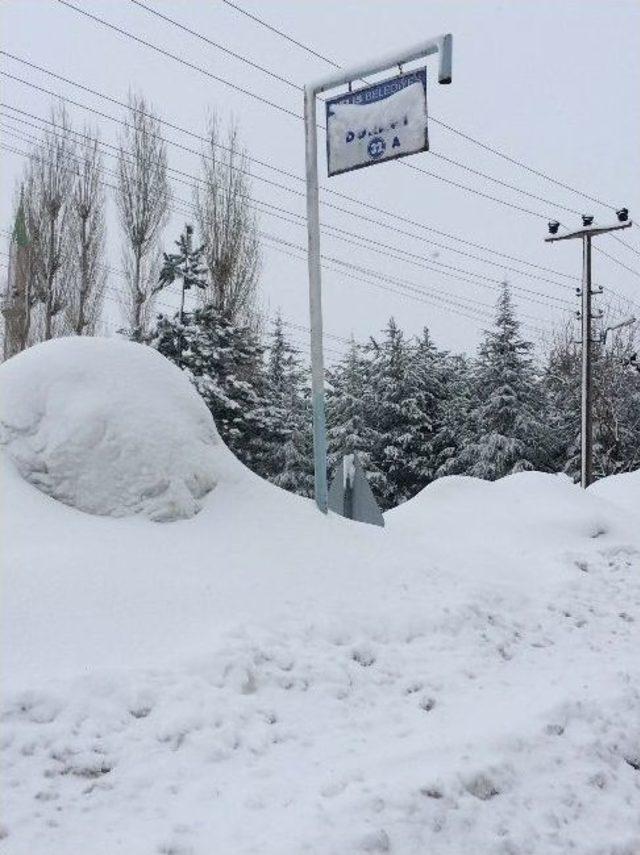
[[109, 427]]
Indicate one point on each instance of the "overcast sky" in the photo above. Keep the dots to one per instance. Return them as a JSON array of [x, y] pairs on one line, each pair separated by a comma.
[[553, 84]]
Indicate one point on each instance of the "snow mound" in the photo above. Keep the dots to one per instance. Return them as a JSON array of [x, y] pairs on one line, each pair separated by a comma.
[[623, 489], [109, 427]]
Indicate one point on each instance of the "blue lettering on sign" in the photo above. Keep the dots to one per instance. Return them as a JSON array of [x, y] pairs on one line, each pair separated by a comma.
[[376, 147]]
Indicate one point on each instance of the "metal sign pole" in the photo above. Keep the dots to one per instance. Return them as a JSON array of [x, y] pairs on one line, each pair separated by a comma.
[[315, 302], [443, 46]]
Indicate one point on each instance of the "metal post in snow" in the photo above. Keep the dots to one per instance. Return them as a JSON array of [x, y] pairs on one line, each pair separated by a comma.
[[443, 46], [315, 302]]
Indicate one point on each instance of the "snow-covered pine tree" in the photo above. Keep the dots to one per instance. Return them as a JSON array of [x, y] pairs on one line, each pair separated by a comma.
[[430, 367], [287, 408], [350, 413], [400, 428], [225, 363], [452, 432], [506, 419], [186, 265]]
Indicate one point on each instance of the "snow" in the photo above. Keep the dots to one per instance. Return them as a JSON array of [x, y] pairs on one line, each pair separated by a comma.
[[623, 489], [88, 422], [261, 679]]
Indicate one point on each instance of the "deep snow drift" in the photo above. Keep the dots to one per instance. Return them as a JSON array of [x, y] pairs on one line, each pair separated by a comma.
[[109, 427], [260, 679]]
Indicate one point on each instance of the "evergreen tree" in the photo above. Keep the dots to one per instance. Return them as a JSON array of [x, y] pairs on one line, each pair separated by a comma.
[[400, 428], [349, 410], [185, 265], [225, 363], [431, 373], [452, 434], [505, 426], [287, 408]]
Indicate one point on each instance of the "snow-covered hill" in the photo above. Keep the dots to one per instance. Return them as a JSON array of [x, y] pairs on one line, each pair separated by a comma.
[[260, 679]]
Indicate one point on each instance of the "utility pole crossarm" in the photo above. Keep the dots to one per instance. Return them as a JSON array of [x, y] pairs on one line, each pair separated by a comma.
[[589, 230]]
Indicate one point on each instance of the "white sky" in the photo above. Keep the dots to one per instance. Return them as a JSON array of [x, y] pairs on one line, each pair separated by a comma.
[[553, 84]]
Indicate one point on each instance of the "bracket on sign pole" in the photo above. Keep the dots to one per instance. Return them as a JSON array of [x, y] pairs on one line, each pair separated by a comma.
[[443, 46]]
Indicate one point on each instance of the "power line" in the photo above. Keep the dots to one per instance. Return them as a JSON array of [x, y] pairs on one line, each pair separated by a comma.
[[522, 165], [323, 202], [433, 292], [204, 71], [280, 171], [299, 88], [426, 297], [281, 33], [500, 182], [282, 109], [449, 127], [475, 141], [217, 45], [412, 166], [356, 201], [616, 261], [373, 245], [179, 59], [624, 243], [118, 292]]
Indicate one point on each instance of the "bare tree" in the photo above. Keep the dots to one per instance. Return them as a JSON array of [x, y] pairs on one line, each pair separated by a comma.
[[87, 239], [616, 404], [48, 191], [143, 202], [19, 298], [616, 396], [227, 224]]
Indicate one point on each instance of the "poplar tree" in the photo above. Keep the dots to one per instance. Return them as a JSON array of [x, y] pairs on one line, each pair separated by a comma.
[[143, 198]]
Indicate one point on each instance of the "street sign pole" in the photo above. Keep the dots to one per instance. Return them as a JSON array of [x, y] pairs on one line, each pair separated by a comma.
[[315, 303], [443, 46]]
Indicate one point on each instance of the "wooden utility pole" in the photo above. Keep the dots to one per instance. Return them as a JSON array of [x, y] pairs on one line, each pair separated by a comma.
[[586, 422]]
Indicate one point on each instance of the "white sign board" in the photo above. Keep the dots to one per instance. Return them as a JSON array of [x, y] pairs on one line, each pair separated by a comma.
[[382, 122]]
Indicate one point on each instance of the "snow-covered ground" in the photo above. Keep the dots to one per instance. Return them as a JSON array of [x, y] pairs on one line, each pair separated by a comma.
[[260, 679]]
